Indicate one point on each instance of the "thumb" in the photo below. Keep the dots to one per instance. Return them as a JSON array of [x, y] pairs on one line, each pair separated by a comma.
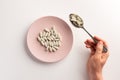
[[99, 47]]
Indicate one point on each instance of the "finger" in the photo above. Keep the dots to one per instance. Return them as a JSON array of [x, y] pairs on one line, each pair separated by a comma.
[[98, 38], [104, 42], [92, 50], [90, 42], [99, 47], [87, 44]]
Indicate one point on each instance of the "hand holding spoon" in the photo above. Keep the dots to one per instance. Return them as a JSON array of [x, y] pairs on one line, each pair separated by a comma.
[[78, 22]]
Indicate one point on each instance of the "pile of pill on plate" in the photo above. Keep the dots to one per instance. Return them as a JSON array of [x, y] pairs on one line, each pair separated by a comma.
[[50, 39]]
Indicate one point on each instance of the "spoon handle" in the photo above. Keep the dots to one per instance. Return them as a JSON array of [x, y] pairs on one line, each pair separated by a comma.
[[96, 41]]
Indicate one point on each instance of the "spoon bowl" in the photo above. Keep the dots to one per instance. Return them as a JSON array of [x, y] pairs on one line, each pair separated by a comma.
[[76, 20]]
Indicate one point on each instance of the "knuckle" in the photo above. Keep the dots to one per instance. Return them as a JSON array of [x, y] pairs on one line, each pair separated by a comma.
[[99, 49], [99, 46]]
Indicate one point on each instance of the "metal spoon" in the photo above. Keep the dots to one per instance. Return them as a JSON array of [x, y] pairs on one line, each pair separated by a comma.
[[78, 22]]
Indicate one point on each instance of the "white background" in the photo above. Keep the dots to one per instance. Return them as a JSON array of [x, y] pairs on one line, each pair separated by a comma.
[[101, 18]]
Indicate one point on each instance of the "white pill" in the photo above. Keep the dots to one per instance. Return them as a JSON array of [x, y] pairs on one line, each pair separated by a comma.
[[57, 39], [50, 49], [42, 39], [47, 48], [49, 38], [46, 30], [42, 42], [73, 19], [48, 33], [53, 49], [56, 47], [53, 43], [45, 39], [79, 22], [59, 44], [53, 36], [40, 34], [45, 44], [38, 38], [51, 31], [43, 34], [56, 43]]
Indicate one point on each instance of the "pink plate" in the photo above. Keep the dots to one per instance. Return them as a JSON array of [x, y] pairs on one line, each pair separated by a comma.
[[38, 51]]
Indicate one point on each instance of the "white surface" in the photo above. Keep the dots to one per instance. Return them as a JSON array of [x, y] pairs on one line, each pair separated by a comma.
[[102, 18]]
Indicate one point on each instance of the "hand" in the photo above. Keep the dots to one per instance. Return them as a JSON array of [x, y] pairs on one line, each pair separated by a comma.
[[97, 58]]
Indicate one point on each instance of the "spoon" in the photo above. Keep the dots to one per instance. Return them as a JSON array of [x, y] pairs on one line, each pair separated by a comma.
[[78, 22]]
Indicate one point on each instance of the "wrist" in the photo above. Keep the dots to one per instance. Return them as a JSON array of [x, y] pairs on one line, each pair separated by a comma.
[[96, 76]]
